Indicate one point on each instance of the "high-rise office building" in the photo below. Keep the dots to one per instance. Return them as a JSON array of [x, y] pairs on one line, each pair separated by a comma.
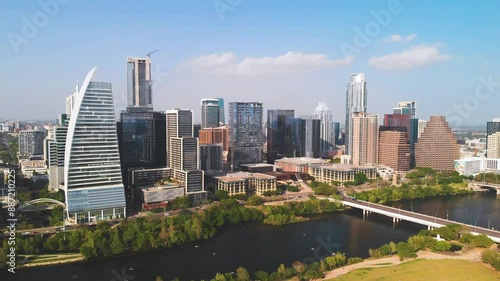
[[281, 134], [245, 132], [394, 148], [327, 134], [92, 177], [311, 129], [179, 124], [183, 152], [364, 141], [356, 101], [406, 107], [139, 82], [210, 113], [211, 157], [30, 143], [56, 147], [70, 102], [421, 127], [494, 145], [196, 130], [437, 148], [491, 128], [336, 133], [218, 135], [142, 139], [222, 114]]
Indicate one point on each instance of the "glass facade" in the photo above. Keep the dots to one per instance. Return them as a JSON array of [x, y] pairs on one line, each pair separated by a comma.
[[92, 175], [356, 101], [282, 135], [139, 83], [210, 113], [245, 132]]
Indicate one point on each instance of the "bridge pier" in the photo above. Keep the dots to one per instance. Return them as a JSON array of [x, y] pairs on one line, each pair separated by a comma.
[[430, 227]]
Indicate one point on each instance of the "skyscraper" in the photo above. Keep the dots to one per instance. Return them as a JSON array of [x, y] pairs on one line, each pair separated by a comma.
[[394, 148], [281, 134], [311, 129], [183, 153], [406, 107], [211, 157], [142, 139], [494, 145], [364, 141], [356, 101], [70, 102], [56, 150], [222, 114], [179, 125], [327, 135], [30, 143], [245, 132], [336, 133], [437, 148], [139, 83], [92, 178], [421, 127], [210, 113], [492, 127]]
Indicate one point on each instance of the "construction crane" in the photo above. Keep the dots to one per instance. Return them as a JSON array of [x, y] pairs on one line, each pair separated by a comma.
[[149, 54]]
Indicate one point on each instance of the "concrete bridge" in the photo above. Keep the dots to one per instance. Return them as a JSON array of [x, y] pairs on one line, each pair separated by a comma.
[[399, 214], [485, 185]]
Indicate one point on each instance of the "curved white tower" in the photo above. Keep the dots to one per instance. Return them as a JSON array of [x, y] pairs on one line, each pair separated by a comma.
[[92, 178]]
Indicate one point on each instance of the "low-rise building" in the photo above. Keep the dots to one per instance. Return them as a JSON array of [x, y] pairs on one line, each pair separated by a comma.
[[31, 167], [243, 182], [298, 164], [475, 165], [340, 172]]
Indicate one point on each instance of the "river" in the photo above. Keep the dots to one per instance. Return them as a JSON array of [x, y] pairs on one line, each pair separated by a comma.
[[256, 246]]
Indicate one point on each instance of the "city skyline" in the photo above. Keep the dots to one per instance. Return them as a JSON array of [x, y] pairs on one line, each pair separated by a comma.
[[431, 67]]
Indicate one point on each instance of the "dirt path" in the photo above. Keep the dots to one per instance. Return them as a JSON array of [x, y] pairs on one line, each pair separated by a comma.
[[474, 255]]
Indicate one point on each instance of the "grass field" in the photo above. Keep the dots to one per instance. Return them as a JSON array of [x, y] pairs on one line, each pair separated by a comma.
[[43, 259], [436, 270]]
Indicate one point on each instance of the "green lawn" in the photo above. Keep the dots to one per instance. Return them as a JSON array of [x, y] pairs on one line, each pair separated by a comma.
[[449, 270]]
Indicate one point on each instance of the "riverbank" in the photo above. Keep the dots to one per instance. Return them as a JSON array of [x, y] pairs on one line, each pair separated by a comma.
[[393, 261]]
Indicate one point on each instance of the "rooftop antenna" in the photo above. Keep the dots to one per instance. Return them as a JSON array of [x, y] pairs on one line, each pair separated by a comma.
[[150, 53]]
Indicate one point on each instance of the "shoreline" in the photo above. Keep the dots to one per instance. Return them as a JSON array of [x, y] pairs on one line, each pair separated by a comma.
[[390, 261]]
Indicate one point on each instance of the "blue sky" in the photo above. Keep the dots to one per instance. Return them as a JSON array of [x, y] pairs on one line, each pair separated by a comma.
[[286, 54]]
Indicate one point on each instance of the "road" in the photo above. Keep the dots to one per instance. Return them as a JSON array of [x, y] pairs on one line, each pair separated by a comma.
[[428, 218], [71, 227]]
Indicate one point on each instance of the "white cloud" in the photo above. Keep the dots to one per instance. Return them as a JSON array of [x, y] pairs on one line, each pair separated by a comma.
[[227, 63], [417, 56], [399, 38]]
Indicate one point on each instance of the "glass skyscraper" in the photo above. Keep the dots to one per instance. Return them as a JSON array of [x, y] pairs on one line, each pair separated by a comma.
[[139, 83], [281, 134], [210, 113], [222, 116], [356, 101], [92, 178], [245, 132]]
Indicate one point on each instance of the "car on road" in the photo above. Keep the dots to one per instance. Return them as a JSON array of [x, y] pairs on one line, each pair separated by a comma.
[[26, 233], [62, 229], [167, 214]]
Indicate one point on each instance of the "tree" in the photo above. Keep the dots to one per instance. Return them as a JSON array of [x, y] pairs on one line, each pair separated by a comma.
[[221, 195], [255, 200], [360, 178], [158, 278], [242, 274], [3, 258], [442, 246], [298, 267], [405, 251], [261, 275]]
